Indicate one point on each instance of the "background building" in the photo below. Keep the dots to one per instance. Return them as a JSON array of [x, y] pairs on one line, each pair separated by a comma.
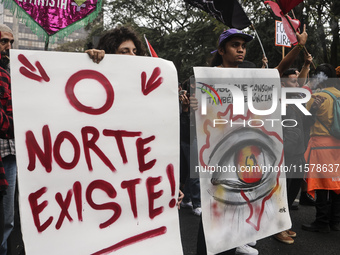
[[25, 39]]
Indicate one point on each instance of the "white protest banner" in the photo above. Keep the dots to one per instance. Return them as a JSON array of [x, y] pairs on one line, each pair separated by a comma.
[[281, 38], [97, 153], [240, 151]]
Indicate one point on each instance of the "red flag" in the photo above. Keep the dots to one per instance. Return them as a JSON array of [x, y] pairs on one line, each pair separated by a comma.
[[288, 29], [151, 50], [287, 5]]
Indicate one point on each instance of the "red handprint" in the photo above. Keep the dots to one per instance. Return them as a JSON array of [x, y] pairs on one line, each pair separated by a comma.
[[29, 73], [152, 83]]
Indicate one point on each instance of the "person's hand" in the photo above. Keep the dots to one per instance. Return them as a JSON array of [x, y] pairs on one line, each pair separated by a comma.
[[180, 199], [185, 102], [193, 102], [318, 100], [302, 38], [96, 55], [308, 59]]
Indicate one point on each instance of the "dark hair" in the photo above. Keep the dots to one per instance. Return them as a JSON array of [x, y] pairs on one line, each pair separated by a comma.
[[288, 72], [113, 38], [217, 58], [329, 71]]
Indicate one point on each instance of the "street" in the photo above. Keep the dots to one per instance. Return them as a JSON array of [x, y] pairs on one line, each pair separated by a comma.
[[306, 243]]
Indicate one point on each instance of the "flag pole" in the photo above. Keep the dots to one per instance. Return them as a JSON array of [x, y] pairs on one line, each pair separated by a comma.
[[150, 48], [293, 13], [256, 34], [147, 45], [46, 43]]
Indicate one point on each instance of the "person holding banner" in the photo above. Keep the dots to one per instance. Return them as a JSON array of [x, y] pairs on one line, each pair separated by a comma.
[[232, 49], [230, 53], [120, 40], [7, 161]]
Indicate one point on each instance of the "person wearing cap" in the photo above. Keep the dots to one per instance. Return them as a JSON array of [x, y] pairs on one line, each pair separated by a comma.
[[230, 53], [7, 150], [232, 49]]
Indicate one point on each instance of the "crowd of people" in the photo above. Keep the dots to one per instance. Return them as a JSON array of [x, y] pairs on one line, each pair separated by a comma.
[[310, 142]]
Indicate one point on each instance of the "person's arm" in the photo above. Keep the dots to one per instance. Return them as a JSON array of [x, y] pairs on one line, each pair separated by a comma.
[[6, 115], [184, 102], [180, 199], [314, 105], [193, 102], [288, 60], [291, 133], [305, 70], [6, 125], [96, 55]]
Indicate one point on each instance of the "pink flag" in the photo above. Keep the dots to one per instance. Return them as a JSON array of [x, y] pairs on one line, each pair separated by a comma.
[[151, 50], [288, 29]]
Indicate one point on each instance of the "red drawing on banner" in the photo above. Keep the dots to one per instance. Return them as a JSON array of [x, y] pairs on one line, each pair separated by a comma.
[[171, 176], [28, 70], [93, 75], [71, 202], [90, 136], [133, 239], [152, 83], [256, 209]]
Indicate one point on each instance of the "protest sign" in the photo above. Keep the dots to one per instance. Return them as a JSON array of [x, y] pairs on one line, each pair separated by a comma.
[[97, 149], [281, 38], [55, 17], [240, 155]]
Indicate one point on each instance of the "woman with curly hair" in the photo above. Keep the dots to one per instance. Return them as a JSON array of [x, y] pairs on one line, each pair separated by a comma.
[[120, 40]]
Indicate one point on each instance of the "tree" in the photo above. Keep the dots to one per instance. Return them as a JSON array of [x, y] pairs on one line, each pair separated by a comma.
[[95, 28], [187, 35], [75, 46], [177, 32], [322, 20]]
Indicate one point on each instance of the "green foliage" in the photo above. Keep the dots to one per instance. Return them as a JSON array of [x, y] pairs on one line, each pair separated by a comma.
[[322, 21], [187, 35], [75, 46], [177, 32], [96, 31]]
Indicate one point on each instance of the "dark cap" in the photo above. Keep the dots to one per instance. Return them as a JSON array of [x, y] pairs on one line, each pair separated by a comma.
[[233, 32]]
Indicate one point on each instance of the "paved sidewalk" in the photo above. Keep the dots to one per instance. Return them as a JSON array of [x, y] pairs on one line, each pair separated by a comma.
[[306, 243]]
